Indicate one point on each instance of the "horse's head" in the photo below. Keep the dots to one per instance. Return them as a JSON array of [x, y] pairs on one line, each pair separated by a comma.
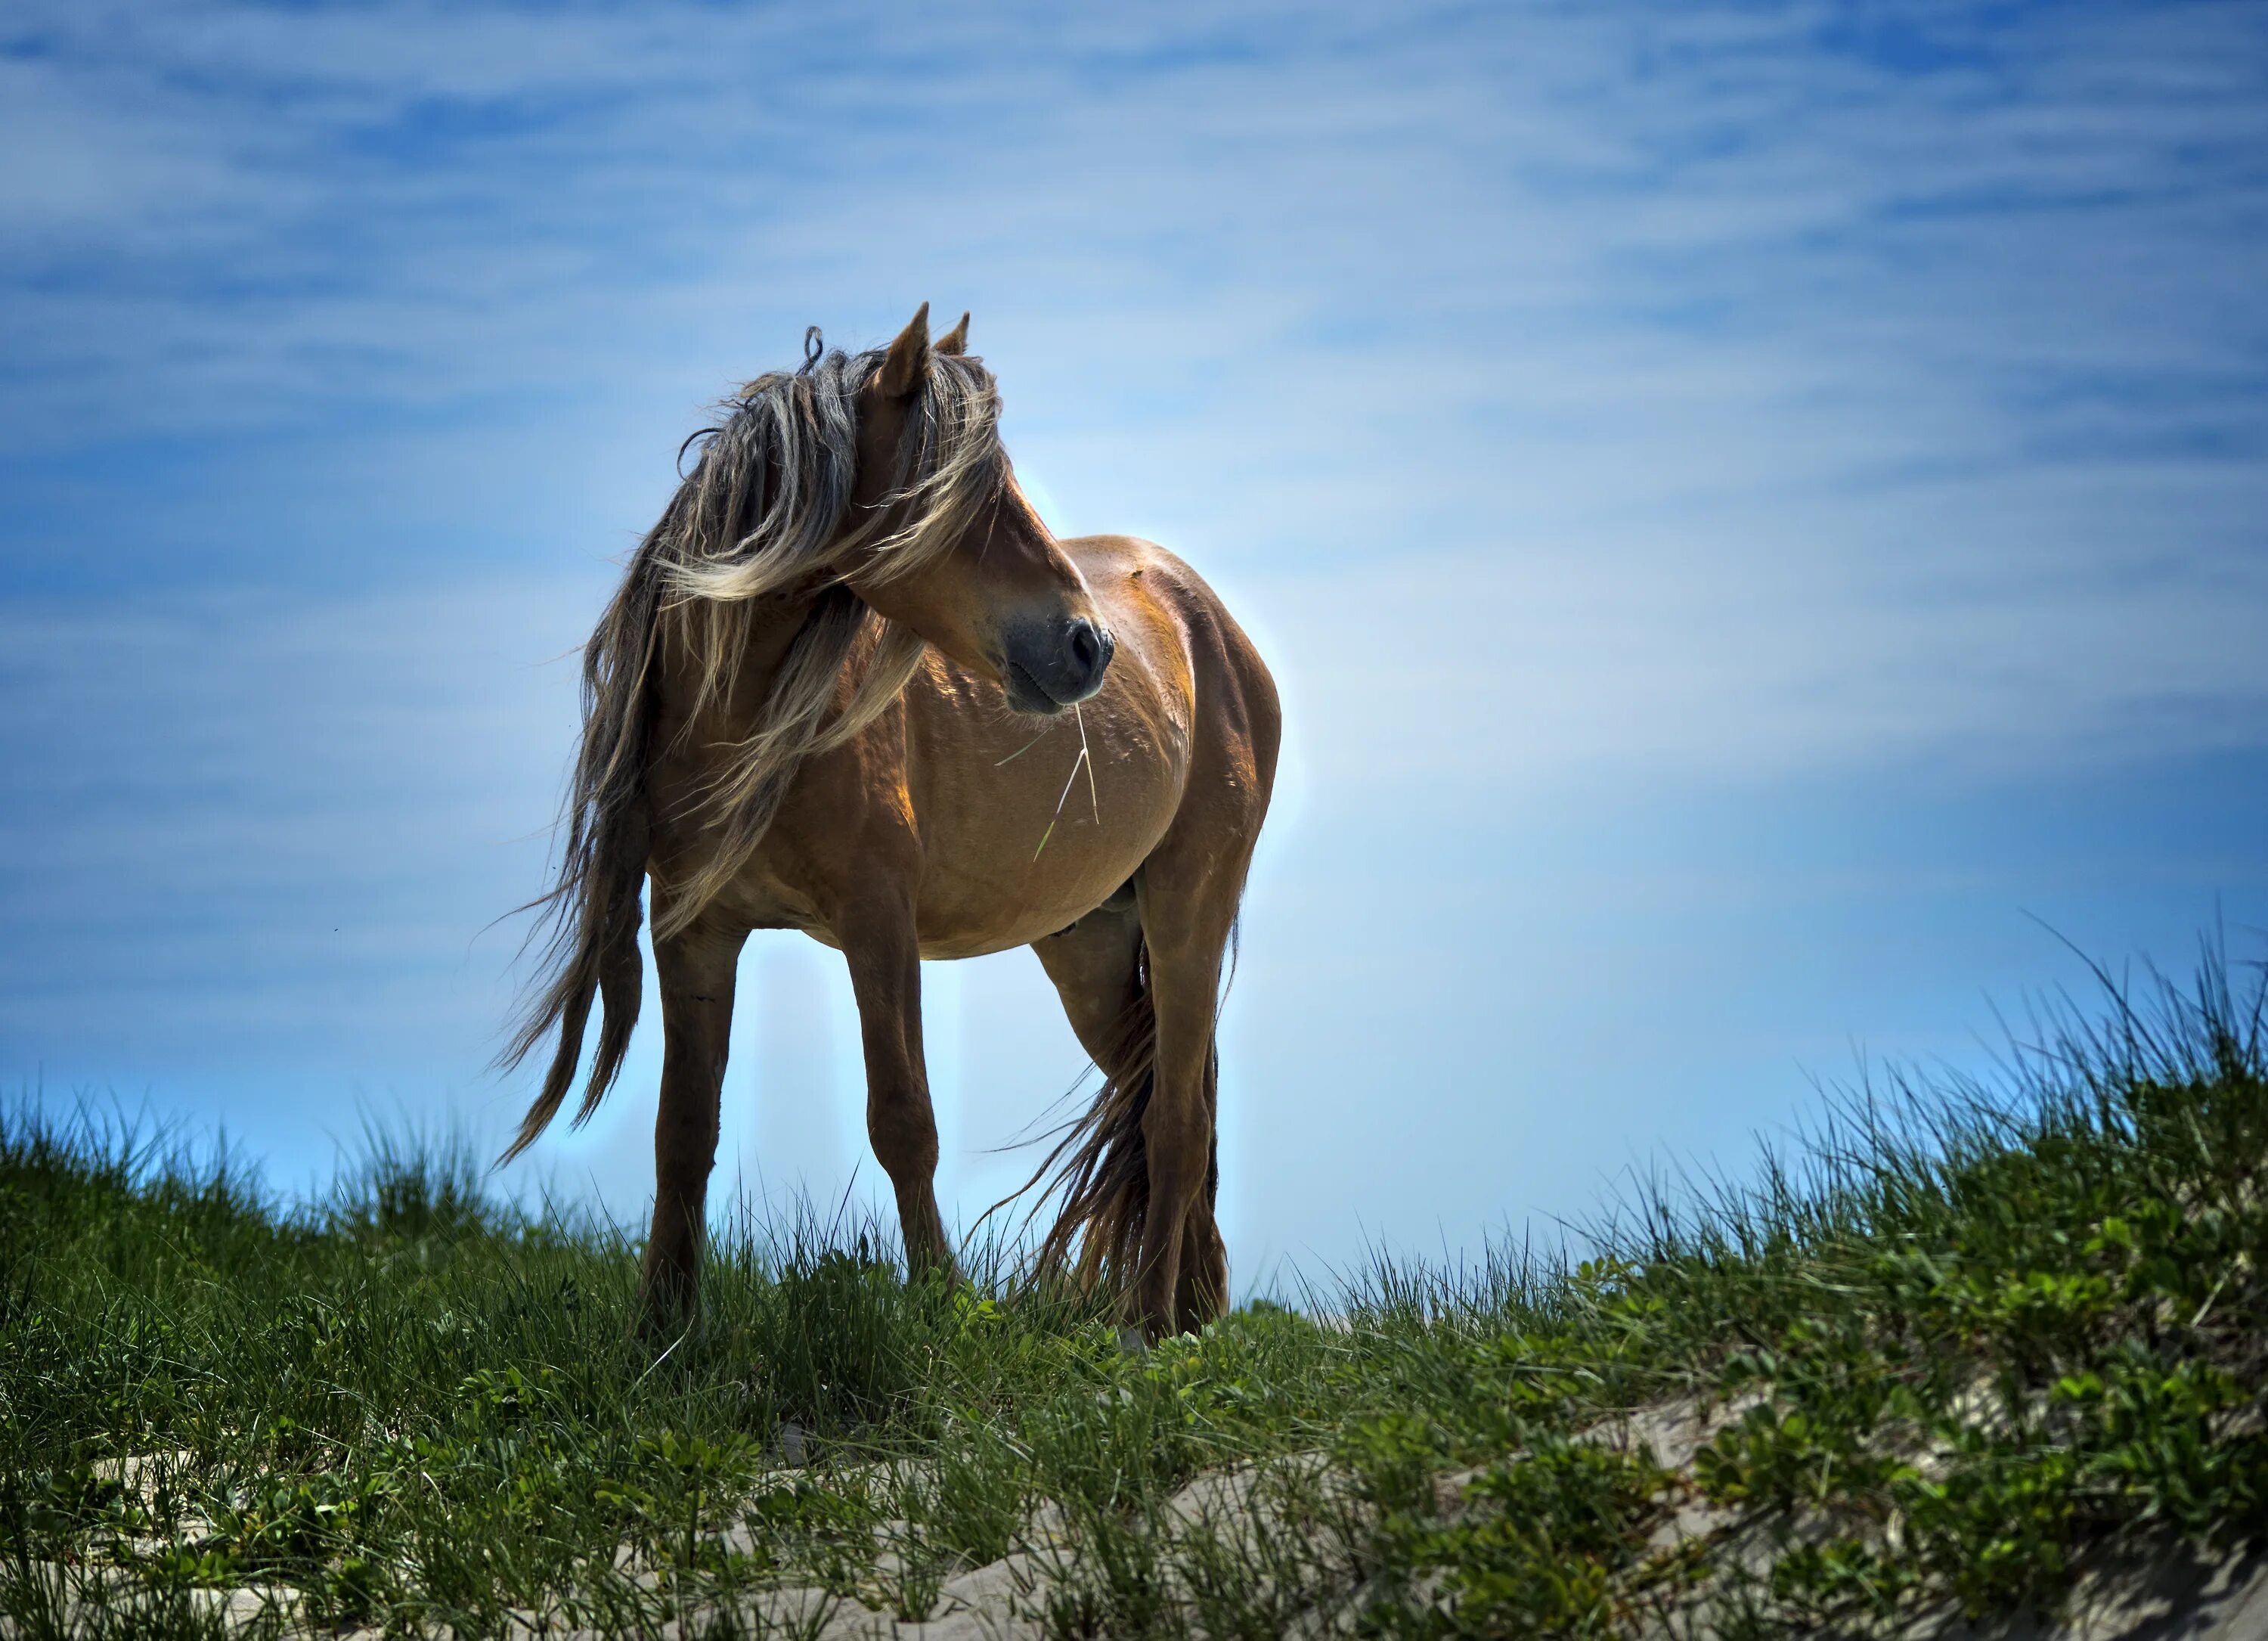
[[987, 585]]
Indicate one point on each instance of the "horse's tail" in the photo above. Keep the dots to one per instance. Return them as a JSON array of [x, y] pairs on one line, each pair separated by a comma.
[[1100, 1165], [593, 907]]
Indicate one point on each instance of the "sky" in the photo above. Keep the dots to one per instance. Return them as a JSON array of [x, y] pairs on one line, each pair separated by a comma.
[[1759, 514]]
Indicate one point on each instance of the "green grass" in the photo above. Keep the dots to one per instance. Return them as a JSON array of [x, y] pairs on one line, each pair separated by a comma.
[[1958, 1343]]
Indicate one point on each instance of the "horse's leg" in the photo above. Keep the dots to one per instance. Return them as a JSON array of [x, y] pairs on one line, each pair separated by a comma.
[[884, 953], [1201, 1293], [695, 969], [1188, 896], [1096, 967]]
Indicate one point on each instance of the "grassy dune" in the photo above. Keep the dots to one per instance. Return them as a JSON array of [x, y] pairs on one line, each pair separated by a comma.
[[1958, 1346]]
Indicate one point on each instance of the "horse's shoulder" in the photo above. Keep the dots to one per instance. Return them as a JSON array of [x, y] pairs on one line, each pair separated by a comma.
[[1101, 558]]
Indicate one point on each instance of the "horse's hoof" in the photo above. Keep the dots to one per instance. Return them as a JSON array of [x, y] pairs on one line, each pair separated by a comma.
[[662, 1323], [1133, 1341]]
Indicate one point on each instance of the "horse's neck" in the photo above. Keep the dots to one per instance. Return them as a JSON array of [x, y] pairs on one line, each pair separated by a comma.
[[758, 646]]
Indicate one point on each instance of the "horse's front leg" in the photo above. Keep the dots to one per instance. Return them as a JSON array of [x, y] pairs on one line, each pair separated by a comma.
[[878, 939], [695, 969]]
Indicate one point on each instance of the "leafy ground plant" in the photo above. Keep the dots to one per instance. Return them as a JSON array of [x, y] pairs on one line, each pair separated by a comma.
[[1959, 1345]]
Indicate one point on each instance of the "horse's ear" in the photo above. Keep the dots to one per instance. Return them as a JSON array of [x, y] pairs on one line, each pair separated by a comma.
[[953, 341], [909, 357]]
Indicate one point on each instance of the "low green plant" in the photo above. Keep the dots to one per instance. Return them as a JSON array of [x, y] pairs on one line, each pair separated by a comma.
[[1959, 1344]]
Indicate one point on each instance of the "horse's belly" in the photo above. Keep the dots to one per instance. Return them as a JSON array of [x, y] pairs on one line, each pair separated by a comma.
[[1014, 851], [1021, 878]]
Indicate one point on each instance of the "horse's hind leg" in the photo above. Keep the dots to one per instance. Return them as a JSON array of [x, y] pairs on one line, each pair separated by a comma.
[[1201, 1292], [695, 969], [1096, 966], [1099, 972], [1186, 924]]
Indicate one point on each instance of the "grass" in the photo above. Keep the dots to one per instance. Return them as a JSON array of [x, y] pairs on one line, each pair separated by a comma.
[[1958, 1344]]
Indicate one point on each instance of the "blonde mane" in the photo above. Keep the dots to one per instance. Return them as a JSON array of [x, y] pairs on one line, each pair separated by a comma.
[[766, 510]]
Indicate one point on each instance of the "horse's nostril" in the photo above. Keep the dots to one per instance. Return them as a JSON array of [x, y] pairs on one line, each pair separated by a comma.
[[1086, 646]]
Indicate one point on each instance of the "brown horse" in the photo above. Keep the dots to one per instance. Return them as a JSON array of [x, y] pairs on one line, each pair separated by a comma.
[[850, 684]]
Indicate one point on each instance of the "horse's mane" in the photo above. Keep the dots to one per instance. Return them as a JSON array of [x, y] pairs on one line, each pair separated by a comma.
[[765, 511]]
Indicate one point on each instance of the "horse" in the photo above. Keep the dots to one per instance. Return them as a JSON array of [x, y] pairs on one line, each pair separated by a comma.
[[851, 684]]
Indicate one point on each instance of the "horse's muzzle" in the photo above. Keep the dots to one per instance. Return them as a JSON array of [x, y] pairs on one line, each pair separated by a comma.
[[1051, 667]]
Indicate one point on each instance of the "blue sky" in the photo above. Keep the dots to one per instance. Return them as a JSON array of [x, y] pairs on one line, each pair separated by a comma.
[[1755, 509]]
